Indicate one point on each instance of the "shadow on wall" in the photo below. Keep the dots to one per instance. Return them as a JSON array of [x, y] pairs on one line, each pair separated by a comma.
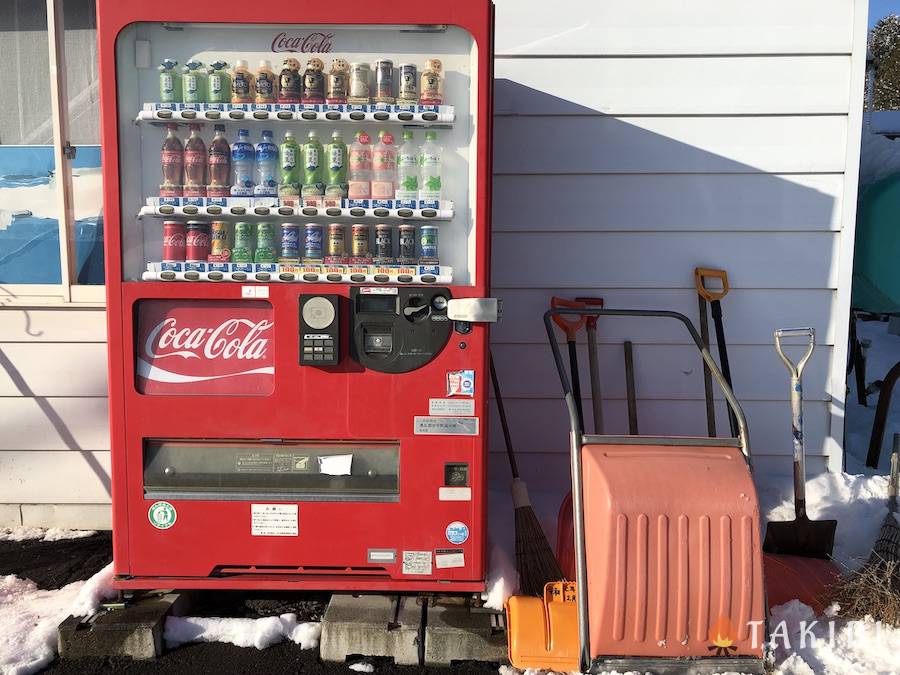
[[625, 208]]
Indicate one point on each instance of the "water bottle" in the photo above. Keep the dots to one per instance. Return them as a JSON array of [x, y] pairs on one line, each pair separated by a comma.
[[430, 175], [267, 172], [407, 172], [242, 165]]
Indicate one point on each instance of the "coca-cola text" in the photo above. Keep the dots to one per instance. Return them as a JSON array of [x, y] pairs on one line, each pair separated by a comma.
[[313, 43]]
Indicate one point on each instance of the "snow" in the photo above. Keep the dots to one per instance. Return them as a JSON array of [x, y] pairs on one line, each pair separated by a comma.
[[362, 667], [41, 199], [258, 633], [51, 534], [29, 618]]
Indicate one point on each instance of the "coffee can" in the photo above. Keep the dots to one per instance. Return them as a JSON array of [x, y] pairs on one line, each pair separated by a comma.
[[336, 249], [408, 86], [384, 249], [428, 238], [407, 248], [359, 82], [360, 242], [174, 233], [290, 242], [384, 81], [220, 245], [197, 241], [312, 247]]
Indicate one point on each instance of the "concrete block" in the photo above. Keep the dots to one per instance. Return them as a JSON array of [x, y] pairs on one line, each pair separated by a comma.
[[371, 625], [69, 516], [10, 515], [135, 630], [455, 633]]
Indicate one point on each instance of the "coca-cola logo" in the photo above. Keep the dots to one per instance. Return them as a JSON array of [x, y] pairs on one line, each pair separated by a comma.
[[231, 339], [176, 240], [311, 43]]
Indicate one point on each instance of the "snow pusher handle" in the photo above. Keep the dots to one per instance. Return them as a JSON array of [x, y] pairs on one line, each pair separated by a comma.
[[700, 274], [795, 369], [569, 326]]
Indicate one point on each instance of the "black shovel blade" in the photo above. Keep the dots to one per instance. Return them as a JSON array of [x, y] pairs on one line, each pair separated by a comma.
[[802, 537]]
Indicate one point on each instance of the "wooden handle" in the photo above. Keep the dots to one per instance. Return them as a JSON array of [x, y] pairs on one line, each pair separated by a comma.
[[700, 274], [569, 325]]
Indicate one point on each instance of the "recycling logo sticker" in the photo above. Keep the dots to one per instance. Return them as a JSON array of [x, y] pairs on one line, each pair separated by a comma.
[[162, 515], [457, 533]]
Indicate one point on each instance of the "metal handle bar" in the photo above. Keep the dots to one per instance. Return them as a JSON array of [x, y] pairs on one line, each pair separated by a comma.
[[549, 318], [796, 369]]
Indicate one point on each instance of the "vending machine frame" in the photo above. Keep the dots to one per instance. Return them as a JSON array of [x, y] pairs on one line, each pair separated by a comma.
[[332, 533]]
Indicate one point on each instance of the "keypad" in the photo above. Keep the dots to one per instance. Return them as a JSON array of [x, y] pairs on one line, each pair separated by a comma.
[[319, 348]]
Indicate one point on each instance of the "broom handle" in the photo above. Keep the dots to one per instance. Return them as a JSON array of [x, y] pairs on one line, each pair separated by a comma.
[[894, 485], [513, 465]]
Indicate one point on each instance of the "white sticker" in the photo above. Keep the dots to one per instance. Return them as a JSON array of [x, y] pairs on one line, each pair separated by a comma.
[[416, 562], [448, 558], [455, 494], [248, 291], [459, 407], [335, 465], [162, 515], [262, 291], [274, 520], [378, 290], [457, 532], [445, 426]]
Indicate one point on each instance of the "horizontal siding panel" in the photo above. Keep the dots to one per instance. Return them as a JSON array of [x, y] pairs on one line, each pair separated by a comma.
[[662, 27], [664, 260], [52, 325], [750, 316], [52, 369], [37, 477], [721, 202], [672, 86], [54, 424], [542, 425], [563, 144], [661, 372]]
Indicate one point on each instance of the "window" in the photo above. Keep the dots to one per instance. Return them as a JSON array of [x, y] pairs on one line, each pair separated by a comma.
[[44, 255]]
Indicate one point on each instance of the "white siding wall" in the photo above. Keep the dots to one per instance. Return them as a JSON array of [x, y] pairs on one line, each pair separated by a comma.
[[633, 142]]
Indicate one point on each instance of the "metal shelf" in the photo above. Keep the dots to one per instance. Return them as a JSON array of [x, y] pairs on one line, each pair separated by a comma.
[[299, 273]]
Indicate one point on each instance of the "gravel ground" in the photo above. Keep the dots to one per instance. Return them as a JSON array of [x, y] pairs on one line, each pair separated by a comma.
[[54, 564]]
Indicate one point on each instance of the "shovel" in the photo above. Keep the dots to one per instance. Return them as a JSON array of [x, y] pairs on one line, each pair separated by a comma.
[[801, 536]]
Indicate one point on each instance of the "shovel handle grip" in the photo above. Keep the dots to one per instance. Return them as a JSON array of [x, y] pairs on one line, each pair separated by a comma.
[[795, 369], [591, 302], [700, 275], [569, 326]]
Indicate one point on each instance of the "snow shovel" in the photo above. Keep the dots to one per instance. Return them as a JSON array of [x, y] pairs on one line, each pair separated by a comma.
[[715, 302], [570, 327], [801, 536], [594, 362]]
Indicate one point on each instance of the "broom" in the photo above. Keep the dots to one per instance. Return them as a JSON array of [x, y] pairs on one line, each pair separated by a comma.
[[536, 563], [874, 590]]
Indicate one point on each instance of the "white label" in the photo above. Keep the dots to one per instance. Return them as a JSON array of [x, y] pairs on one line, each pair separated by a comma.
[[445, 426], [274, 520], [382, 555], [451, 406], [262, 291], [445, 559], [455, 494], [378, 290], [335, 465], [416, 562], [248, 291]]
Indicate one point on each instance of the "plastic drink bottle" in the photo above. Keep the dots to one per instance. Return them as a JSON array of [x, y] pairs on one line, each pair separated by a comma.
[[218, 83], [407, 169], [267, 172], [430, 163], [384, 166], [336, 183], [359, 167], [194, 164], [218, 164], [242, 165], [242, 89], [193, 82], [266, 83], [313, 166], [172, 156], [169, 82], [289, 157]]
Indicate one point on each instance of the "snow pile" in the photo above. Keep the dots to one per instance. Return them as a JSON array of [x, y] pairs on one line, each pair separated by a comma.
[[52, 534], [362, 667], [259, 633], [29, 618]]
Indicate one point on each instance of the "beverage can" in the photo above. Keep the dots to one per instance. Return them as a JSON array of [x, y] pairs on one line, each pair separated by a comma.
[[407, 244], [266, 252], [408, 87], [384, 249], [197, 241], [290, 242], [312, 238], [244, 242], [428, 237], [360, 242], [384, 81], [336, 242], [359, 83], [220, 243], [174, 244]]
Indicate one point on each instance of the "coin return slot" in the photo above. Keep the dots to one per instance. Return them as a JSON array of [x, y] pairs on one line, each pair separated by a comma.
[[378, 342]]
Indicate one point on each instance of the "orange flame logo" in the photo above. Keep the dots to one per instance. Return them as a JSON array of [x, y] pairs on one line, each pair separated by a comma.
[[720, 636]]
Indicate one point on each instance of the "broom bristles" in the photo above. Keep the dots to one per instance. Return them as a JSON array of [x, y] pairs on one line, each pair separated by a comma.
[[535, 560]]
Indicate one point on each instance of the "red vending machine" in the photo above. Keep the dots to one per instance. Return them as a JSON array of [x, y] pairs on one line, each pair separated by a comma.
[[297, 210]]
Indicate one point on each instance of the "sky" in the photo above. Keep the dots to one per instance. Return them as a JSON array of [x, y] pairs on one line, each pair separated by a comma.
[[880, 8]]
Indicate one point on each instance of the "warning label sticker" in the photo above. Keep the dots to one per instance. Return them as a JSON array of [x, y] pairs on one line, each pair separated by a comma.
[[416, 562], [445, 426], [459, 407], [274, 520], [448, 558]]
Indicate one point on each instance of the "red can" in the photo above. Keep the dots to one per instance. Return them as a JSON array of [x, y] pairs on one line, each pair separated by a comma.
[[197, 241], [174, 243]]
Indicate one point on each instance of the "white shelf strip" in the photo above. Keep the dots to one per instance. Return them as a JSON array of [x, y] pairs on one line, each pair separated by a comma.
[[298, 273]]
